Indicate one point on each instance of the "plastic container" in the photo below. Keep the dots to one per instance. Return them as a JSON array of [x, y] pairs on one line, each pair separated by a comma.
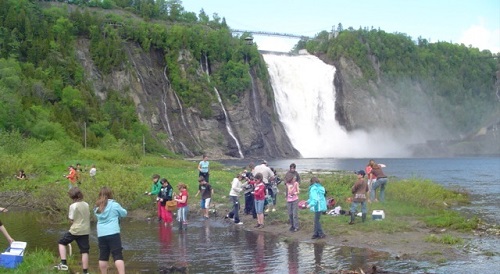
[[378, 215], [13, 255]]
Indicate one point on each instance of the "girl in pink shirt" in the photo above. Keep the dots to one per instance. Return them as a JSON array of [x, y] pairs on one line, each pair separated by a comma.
[[292, 198], [182, 205]]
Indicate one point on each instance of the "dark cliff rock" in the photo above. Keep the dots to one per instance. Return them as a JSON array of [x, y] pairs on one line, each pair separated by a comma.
[[408, 117], [144, 78]]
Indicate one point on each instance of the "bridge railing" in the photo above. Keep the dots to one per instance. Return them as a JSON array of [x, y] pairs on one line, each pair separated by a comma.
[[272, 33]]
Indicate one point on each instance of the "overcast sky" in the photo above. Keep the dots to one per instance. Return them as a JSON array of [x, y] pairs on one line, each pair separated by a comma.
[[471, 22]]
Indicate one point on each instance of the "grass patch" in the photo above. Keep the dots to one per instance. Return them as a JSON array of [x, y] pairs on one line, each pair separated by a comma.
[[37, 261], [451, 219], [444, 239], [434, 253]]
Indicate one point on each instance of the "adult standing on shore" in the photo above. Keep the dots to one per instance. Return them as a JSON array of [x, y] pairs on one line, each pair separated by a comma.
[[265, 171], [203, 168], [293, 171], [380, 181], [267, 175]]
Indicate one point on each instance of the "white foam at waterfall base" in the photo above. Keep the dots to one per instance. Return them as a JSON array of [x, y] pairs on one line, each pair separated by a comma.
[[305, 101]]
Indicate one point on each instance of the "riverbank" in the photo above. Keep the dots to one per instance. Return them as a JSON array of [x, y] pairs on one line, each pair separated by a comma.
[[398, 245], [411, 245]]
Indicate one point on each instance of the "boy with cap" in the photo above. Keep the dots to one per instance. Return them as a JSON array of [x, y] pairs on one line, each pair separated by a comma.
[[359, 191]]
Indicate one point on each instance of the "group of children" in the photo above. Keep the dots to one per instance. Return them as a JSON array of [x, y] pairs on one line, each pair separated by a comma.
[[75, 177], [254, 187], [108, 213], [164, 193]]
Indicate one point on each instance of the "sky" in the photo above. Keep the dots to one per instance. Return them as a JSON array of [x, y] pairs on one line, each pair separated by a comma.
[[468, 22]]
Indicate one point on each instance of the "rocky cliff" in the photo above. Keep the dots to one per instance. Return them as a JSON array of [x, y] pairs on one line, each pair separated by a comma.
[[254, 127], [144, 77], [403, 112]]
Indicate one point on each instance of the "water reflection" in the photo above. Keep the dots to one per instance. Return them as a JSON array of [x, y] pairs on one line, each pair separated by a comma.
[[318, 255], [260, 263], [293, 257]]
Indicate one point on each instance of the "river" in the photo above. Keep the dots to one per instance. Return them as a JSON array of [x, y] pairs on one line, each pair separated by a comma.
[[215, 246]]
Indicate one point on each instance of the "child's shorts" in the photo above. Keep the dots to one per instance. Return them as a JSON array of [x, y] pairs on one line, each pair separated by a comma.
[[205, 203]]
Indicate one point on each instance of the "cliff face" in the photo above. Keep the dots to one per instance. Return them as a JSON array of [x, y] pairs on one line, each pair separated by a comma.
[[382, 107], [403, 112], [144, 77], [377, 107]]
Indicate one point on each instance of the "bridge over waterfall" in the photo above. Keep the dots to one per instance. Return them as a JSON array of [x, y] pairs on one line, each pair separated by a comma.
[[266, 33]]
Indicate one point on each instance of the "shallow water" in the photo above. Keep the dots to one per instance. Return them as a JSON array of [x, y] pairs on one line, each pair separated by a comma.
[[215, 246], [207, 246]]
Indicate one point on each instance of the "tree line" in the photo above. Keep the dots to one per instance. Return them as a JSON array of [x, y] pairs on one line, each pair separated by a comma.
[[43, 89], [460, 79]]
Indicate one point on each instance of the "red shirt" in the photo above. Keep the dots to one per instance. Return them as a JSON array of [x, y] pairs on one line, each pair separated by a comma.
[[183, 193], [72, 175], [260, 191]]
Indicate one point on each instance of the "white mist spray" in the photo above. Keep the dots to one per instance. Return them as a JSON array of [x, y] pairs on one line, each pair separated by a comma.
[[305, 101]]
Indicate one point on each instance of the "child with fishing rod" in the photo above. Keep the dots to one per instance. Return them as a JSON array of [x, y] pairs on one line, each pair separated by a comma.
[[155, 190], [79, 215], [108, 213]]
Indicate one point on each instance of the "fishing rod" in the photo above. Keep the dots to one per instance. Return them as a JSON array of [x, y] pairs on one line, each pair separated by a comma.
[[5, 208]]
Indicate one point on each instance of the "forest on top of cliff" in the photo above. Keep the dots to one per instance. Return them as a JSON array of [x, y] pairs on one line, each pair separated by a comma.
[[460, 80], [45, 94]]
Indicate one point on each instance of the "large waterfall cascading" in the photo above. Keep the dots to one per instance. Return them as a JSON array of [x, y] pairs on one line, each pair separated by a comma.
[[305, 101]]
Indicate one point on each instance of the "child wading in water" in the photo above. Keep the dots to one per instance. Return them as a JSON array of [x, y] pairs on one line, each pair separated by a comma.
[[79, 215], [164, 196], [108, 213], [206, 191], [155, 190], [182, 205]]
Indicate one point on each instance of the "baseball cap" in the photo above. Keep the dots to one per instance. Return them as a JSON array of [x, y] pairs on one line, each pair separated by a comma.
[[360, 172]]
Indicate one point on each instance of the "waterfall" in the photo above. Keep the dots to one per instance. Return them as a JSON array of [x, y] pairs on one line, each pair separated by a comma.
[[254, 99], [181, 110], [228, 124], [165, 113], [305, 101]]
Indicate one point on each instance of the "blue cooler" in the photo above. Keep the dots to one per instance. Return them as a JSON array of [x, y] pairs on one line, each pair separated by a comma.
[[13, 255]]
